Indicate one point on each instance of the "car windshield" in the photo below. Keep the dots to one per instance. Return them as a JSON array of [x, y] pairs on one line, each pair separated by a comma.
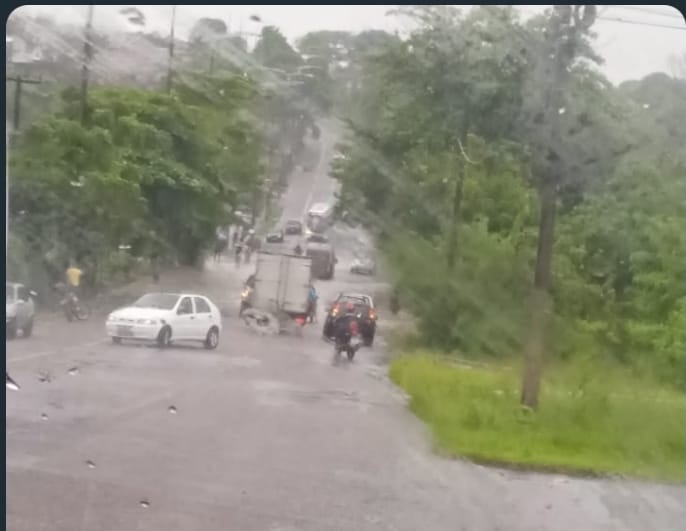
[[161, 301], [500, 188]]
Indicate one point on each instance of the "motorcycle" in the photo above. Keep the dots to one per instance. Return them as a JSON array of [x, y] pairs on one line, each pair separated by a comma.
[[72, 307], [343, 341]]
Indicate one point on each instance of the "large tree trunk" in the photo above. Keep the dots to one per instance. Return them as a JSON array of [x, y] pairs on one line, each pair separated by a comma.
[[541, 306]]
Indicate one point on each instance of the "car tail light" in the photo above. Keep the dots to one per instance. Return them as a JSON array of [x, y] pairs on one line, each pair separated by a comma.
[[372, 314], [300, 321], [334, 310]]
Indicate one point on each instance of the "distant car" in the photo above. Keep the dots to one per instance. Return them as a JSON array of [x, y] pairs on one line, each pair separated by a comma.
[[275, 237], [294, 226], [363, 266], [167, 317], [364, 306], [314, 237], [19, 309]]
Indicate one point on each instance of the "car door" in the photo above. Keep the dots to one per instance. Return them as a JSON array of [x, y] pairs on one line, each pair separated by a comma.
[[203, 317], [184, 324]]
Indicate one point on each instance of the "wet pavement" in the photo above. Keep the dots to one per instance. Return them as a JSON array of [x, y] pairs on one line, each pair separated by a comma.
[[264, 433]]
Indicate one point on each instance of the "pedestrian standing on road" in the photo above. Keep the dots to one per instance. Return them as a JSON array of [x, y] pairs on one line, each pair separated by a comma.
[[155, 266], [234, 238], [237, 253]]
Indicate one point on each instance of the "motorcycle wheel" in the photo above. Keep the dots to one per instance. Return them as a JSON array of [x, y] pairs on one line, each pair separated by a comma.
[[82, 311], [68, 313], [351, 354]]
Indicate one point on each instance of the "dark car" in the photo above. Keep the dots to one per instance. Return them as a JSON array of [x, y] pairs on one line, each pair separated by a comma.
[[317, 238], [275, 237], [364, 308], [294, 226]]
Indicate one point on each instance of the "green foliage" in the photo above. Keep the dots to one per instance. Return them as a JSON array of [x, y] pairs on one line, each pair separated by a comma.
[[150, 170], [636, 429], [273, 50], [457, 101]]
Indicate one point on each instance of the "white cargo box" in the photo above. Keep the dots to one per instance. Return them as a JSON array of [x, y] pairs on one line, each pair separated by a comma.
[[282, 282]]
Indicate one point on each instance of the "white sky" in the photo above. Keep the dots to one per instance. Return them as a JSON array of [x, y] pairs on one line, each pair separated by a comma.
[[631, 48]]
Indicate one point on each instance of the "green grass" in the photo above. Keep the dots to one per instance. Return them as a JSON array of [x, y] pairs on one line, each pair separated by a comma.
[[616, 425]]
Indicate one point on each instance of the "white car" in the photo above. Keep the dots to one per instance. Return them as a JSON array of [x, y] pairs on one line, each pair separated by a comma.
[[167, 317], [19, 309], [363, 266]]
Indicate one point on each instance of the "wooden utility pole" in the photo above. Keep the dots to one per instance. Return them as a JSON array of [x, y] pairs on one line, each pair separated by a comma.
[[565, 26], [18, 82], [171, 49], [87, 56]]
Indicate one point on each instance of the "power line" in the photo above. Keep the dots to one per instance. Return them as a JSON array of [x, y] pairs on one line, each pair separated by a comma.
[[637, 23], [648, 11]]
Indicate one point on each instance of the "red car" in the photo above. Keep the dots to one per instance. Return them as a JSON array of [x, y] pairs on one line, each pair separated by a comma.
[[364, 307]]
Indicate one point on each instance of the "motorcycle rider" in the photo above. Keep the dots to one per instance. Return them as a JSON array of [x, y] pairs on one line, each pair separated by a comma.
[[345, 325]]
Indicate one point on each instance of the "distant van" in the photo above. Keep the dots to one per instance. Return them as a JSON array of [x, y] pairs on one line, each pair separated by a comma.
[[323, 210]]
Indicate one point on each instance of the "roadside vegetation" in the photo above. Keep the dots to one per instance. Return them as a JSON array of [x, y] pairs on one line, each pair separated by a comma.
[[505, 257], [588, 422]]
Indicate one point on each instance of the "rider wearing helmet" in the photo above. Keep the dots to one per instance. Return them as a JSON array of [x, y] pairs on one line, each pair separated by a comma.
[[346, 324]]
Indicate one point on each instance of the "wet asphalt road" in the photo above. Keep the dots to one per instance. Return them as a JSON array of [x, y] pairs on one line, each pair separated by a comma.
[[265, 433]]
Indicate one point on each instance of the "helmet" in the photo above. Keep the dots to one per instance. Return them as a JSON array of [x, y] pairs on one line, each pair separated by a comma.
[[350, 307]]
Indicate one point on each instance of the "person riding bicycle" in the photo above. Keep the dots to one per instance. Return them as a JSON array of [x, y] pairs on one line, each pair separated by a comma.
[[73, 275]]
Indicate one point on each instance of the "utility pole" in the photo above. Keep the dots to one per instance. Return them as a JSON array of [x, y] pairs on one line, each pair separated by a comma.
[[18, 82], [87, 56], [171, 49], [565, 26]]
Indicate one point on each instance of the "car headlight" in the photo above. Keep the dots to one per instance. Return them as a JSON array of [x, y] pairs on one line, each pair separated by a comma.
[[111, 318]]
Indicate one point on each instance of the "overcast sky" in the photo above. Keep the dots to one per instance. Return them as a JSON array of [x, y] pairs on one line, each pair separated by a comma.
[[630, 38]]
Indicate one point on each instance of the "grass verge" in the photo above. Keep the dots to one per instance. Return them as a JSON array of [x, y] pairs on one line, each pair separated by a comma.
[[589, 421]]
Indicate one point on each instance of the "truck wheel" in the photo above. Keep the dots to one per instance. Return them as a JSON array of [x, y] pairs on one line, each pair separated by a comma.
[[28, 328], [11, 329]]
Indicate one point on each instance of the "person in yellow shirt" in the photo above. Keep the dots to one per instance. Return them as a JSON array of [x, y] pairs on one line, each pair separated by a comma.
[[74, 275]]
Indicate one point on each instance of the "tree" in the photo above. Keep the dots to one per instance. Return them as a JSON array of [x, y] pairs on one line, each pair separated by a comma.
[[148, 166], [273, 51], [566, 28]]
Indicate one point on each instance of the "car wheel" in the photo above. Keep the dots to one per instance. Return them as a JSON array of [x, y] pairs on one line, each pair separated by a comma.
[[164, 337], [28, 328], [116, 340], [212, 339], [11, 329]]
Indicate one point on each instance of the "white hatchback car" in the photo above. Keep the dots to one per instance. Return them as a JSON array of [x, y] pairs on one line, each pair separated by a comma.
[[167, 317]]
